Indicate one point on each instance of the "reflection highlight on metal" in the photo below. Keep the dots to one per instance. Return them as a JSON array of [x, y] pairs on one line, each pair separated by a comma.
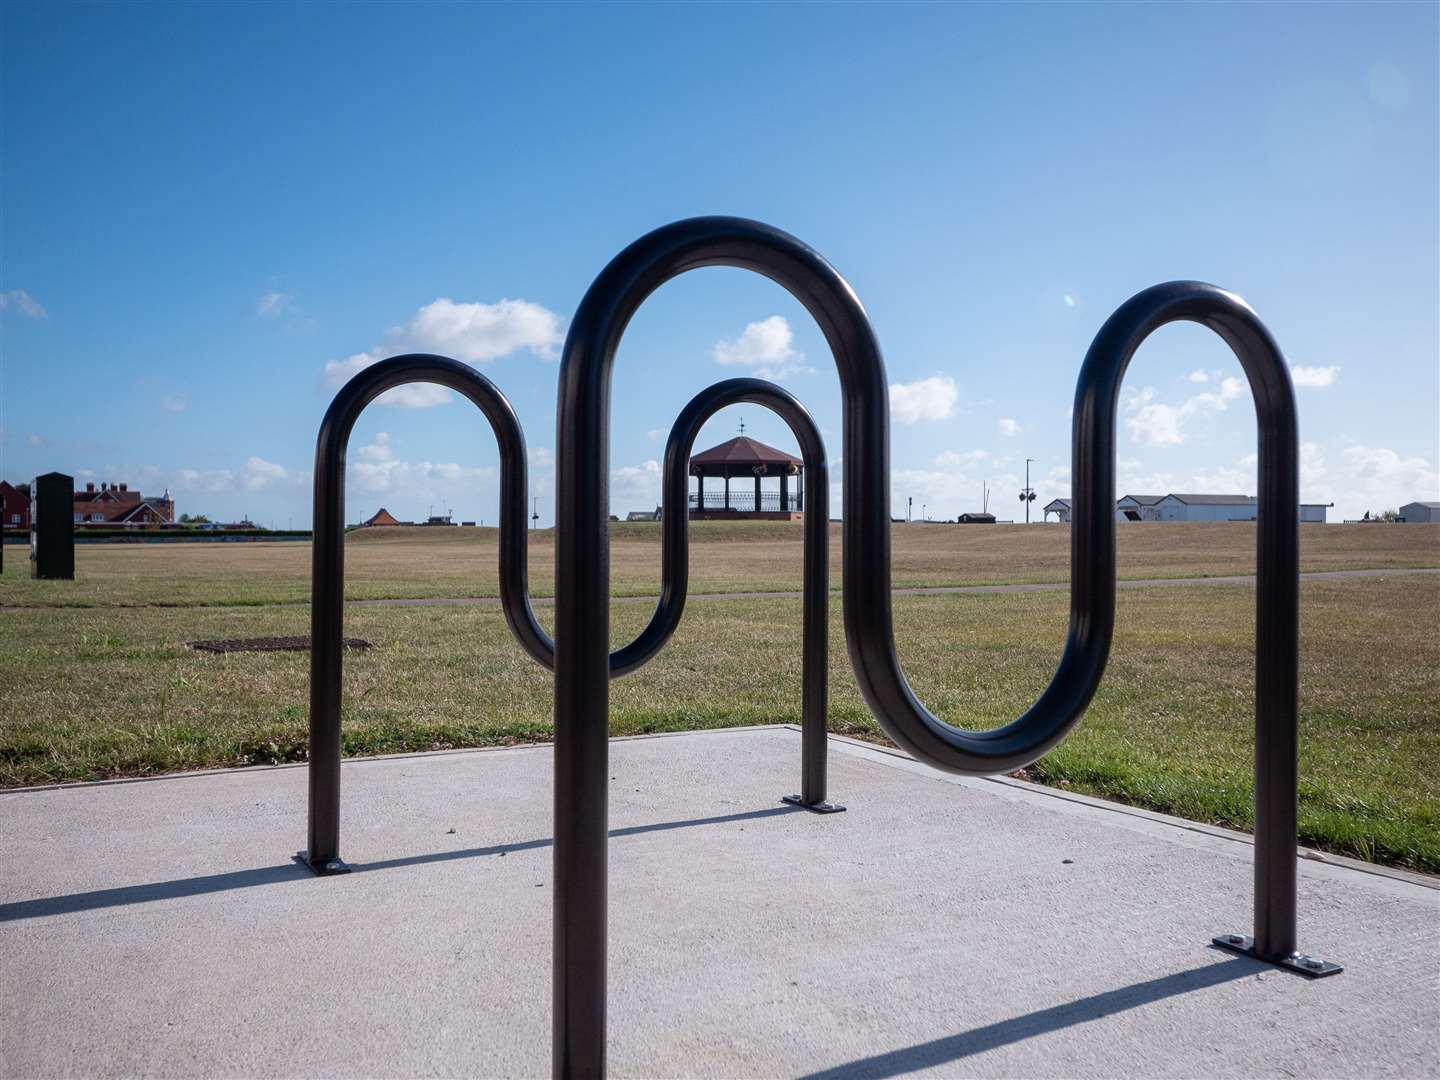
[[583, 664]]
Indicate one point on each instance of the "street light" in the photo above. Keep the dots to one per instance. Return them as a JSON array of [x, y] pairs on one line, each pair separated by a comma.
[[1027, 493]]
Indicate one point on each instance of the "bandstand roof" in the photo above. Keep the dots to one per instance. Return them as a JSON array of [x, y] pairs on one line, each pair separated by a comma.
[[742, 452]]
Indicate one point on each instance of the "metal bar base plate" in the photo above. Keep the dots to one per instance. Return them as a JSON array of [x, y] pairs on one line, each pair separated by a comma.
[[1311, 966], [330, 869], [824, 806]]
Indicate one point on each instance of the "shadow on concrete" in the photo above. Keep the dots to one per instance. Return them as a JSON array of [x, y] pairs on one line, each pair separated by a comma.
[[953, 1048], [293, 871]]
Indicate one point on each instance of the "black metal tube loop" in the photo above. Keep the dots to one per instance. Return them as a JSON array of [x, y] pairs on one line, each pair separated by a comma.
[[675, 556], [1277, 569], [328, 562], [584, 384], [582, 572]]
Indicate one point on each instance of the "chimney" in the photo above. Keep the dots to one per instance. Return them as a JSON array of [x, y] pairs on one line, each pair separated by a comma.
[[90, 488], [124, 487]]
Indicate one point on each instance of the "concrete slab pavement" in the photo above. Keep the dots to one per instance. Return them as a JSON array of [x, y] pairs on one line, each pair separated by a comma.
[[941, 926]]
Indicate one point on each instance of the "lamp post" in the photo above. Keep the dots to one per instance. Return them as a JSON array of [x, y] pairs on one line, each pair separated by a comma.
[[1027, 493]]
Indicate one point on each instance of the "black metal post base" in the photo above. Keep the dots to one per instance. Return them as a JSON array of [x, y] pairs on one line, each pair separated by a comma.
[[1311, 966], [329, 869], [824, 806]]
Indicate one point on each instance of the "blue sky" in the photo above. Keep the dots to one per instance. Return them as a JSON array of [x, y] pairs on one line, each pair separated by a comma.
[[211, 213]]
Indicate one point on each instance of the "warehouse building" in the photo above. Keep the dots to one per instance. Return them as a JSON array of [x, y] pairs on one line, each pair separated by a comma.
[[1190, 507], [1139, 507], [1420, 511]]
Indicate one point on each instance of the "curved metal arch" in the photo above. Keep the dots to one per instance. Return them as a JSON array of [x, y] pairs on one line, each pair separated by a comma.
[[583, 424], [328, 565], [582, 571], [327, 588], [1277, 569], [582, 582], [815, 617]]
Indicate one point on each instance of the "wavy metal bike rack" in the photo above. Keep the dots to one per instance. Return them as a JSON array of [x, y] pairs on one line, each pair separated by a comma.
[[328, 565], [584, 666]]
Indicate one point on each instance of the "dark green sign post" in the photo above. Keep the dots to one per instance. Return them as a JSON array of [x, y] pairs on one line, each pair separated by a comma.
[[52, 527]]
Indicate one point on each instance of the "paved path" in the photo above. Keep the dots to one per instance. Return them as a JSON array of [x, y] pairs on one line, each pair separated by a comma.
[[937, 590], [941, 926]]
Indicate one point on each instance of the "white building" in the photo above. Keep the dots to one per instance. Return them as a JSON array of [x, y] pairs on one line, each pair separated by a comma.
[[1138, 508], [1198, 508], [1206, 508], [1420, 511]]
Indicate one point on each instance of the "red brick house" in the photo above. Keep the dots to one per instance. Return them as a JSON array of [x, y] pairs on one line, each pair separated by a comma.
[[116, 504], [14, 506]]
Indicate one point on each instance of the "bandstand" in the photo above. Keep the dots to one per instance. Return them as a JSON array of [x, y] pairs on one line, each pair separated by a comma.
[[743, 458]]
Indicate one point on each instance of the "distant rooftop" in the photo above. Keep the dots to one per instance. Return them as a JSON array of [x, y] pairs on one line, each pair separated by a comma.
[[743, 450], [1215, 500]]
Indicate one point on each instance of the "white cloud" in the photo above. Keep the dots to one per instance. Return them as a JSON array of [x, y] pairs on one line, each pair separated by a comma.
[[635, 487], [654, 433], [541, 458], [475, 333], [1069, 300], [378, 449], [768, 346], [1315, 377], [379, 471], [257, 474], [173, 403], [209, 481], [1383, 480], [1155, 423], [970, 457], [274, 304], [937, 492], [22, 302], [479, 333], [36, 442], [1008, 427], [1226, 480], [926, 399], [1198, 376]]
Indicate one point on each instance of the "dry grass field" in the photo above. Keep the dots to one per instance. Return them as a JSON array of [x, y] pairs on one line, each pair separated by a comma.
[[725, 557], [104, 685]]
